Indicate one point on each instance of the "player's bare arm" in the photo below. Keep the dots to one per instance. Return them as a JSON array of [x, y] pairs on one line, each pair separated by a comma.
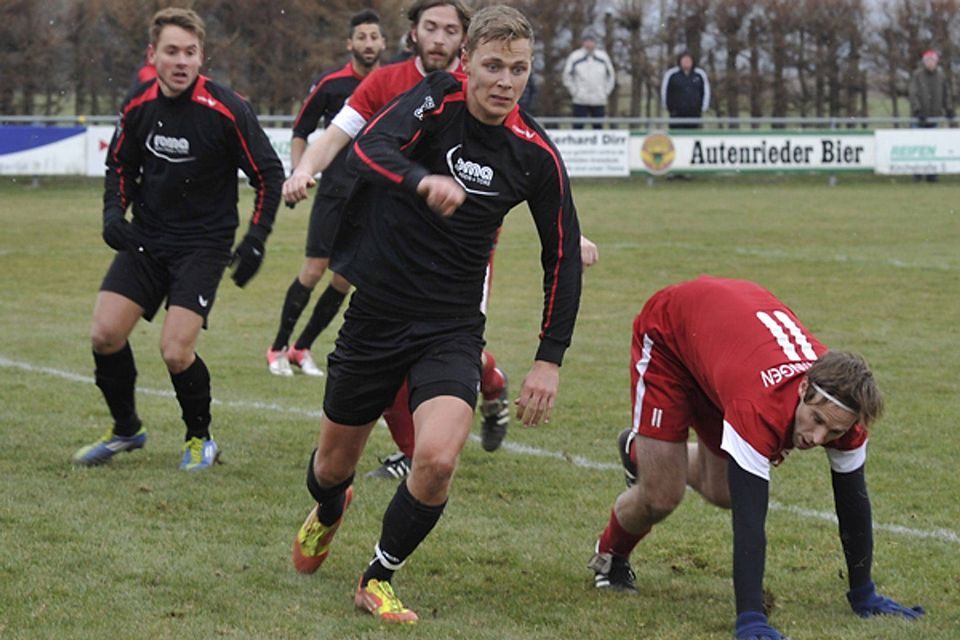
[[538, 393], [318, 156], [442, 194]]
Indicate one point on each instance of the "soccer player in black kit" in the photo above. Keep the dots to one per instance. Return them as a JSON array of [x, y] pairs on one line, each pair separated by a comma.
[[441, 166], [174, 158], [365, 43]]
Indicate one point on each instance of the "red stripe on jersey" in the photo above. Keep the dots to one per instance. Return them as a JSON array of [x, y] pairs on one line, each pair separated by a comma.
[[204, 97], [389, 175], [150, 94], [346, 72], [515, 124]]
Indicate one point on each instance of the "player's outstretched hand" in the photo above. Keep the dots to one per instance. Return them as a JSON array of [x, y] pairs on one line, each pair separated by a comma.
[[442, 194], [247, 259], [295, 187], [866, 602], [117, 233], [753, 625], [538, 393]]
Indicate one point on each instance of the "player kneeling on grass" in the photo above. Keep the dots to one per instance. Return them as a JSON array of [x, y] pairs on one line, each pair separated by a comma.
[[440, 168], [729, 359], [174, 158]]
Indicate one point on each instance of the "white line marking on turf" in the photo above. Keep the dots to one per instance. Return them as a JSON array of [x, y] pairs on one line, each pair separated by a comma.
[[942, 535]]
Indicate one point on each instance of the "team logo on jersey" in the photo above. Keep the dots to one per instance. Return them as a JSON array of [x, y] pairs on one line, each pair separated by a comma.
[[428, 105], [468, 172], [169, 148]]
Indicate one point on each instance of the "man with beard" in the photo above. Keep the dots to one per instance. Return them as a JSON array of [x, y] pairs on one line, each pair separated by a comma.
[[327, 95]]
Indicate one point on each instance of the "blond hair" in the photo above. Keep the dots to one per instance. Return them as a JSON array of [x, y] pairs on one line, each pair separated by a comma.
[[847, 378], [186, 19], [498, 22]]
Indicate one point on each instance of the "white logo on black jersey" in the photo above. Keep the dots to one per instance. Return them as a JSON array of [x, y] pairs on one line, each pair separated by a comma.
[[428, 105], [169, 148], [468, 171]]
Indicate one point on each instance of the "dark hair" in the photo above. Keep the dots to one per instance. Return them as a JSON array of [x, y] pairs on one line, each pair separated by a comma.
[[419, 6], [847, 377], [367, 16], [684, 54], [186, 19]]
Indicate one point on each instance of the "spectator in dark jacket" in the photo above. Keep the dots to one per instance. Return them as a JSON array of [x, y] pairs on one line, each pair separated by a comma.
[[929, 96], [685, 92]]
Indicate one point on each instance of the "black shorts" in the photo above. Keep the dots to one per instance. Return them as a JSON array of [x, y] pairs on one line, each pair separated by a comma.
[[325, 219], [375, 352], [186, 279]]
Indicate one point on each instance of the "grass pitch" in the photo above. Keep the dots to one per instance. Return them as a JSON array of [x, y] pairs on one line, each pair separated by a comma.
[[140, 550]]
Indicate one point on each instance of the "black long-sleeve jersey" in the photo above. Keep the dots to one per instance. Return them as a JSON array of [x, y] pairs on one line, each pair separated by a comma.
[[418, 263], [326, 97], [176, 160]]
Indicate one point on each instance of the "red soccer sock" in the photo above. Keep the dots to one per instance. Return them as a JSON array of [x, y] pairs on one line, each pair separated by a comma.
[[617, 540], [492, 379], [400, 421]]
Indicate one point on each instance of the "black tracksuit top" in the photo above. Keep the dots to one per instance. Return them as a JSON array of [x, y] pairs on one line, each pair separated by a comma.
[[420, 265], [175, 161]]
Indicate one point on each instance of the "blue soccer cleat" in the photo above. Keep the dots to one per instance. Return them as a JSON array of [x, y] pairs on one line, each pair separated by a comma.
[[199, 454], [101, 451]]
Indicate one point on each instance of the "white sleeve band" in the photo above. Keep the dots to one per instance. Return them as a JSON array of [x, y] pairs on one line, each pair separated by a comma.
[[349, 121], [743, 454], [847, 461]]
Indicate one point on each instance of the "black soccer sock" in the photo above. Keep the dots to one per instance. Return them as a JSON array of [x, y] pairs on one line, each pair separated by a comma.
[[293, 305], [331, 500], [116, 376], [192, 386], [406, 523], [323, 314]]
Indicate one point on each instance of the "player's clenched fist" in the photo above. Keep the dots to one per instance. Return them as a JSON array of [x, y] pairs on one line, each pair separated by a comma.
[[295, 187], [442, 194]]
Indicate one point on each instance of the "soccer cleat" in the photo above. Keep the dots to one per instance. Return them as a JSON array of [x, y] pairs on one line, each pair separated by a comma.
[[279, 363], [378, 599], [101, 451], [395, 466], [304, 359], [624, 442], [311, 546], [496, 417], [612, 572], [199, 454]]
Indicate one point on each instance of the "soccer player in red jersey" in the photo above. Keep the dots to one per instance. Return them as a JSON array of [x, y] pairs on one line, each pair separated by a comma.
[[730, 360]]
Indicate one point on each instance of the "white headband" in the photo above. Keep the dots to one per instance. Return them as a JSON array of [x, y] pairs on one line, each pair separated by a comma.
[[829, 397]]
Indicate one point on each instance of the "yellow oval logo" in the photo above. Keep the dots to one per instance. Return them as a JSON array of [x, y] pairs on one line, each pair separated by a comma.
[[657, 152]]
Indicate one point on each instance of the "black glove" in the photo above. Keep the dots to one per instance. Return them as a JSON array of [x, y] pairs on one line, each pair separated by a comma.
[[246, 260], [117, 232]]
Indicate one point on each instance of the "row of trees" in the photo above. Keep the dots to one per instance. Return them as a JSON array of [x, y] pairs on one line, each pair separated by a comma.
[[764, 57]]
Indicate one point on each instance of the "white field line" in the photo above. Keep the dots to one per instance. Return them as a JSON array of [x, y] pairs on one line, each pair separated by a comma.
[[941, 535]]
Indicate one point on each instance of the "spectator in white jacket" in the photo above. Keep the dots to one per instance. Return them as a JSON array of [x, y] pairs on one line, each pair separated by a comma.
[[589, 77]]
